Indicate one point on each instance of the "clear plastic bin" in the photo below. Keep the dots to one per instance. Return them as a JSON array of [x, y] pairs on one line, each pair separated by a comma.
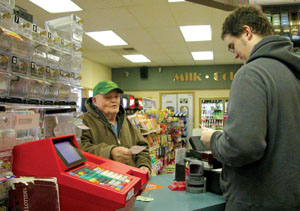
[[27, 135], [68, 28], [37, 70], [22, 26], [39, 52], [7, 120], [74, 93], [7, 133], [36, 89], [8, 3], [18, 86], [66, 46], [65, 61], [64, 76], [5, 42], [64, 92], [19, 65], [53, 40], [39, 34], [75, 79], [4, 62], [62, 124], [7, 139], [4, 84], [21, 47], [77, 50], [51, 91], [53, 57], [6, 17], [76, 64], [52, 74]]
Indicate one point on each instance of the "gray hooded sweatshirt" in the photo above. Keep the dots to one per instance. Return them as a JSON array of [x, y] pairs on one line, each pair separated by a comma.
[[260, 145]]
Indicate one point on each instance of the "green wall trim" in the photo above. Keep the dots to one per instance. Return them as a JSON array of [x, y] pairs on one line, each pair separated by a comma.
[[176, 78]]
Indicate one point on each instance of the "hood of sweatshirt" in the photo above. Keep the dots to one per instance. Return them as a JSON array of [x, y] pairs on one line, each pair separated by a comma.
[[279, 48]]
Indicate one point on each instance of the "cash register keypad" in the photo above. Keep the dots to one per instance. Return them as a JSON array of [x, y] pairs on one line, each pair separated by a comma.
[[101, 176]]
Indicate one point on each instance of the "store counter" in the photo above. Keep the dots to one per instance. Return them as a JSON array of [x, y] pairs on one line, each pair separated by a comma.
[[167, 200]]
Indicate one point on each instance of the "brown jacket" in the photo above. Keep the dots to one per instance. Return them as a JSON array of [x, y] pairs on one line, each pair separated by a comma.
[[100, 139]]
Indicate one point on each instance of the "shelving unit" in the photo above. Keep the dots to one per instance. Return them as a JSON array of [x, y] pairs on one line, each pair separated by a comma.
[[286, 22], [213, 112], [39, 81], [164, 134]]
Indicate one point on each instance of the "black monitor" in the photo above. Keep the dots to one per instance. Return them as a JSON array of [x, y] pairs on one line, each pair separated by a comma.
[[67, 152], [197, 144]]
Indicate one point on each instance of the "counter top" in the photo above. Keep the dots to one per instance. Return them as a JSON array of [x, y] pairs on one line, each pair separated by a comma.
[[167, 200]]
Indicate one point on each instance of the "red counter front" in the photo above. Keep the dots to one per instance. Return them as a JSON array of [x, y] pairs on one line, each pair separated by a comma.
[[86, 181]]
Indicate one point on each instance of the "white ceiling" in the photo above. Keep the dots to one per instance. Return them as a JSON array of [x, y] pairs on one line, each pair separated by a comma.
[[151, 27]]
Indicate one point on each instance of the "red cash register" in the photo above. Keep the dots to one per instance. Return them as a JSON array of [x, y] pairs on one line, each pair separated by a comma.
[[86, 181]]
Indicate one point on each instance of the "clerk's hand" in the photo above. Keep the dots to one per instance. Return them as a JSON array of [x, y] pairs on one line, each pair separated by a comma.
[[206, 134], [146, 169], [121, 154]]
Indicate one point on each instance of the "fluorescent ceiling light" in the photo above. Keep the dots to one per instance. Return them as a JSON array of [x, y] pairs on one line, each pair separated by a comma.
[[107, 38], [175, 0], [203, 55], [57, 6], [137, 58], [196, 33]]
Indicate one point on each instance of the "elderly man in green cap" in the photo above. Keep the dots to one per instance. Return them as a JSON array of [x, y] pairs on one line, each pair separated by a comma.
[[111, 134]]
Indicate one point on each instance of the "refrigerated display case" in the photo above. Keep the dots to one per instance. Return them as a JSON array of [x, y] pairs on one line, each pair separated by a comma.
[[213, 112]]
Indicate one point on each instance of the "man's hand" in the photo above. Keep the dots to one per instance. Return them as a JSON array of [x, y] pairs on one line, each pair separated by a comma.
[[146, 169], [206, 135], [121, 154]]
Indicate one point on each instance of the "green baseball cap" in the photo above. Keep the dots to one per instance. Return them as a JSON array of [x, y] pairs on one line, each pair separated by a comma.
[[105, 87]]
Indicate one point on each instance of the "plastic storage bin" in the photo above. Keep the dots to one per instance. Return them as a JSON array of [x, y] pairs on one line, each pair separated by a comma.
[[52, 74], [66, 46], [4, 84], [18, 86], [19, 65], [68, 28], [7, 133], [53, 57], [8, 3], [4, 62], [35, 89], [21, 47], [75, 79], [74, 94], [38, 52], [53, 40], [6, 17], [5, 41], [39, 34], [65, 61], [27, 135], [76, 64], [37, 70], [21, 26], [51, 92], [64, 76], [64, 92]]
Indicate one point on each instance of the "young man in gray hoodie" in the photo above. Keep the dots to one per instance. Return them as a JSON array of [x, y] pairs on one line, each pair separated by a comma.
[[260, 144]]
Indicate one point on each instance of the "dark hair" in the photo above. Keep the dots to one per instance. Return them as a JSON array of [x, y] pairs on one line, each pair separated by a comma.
[[251, 16]]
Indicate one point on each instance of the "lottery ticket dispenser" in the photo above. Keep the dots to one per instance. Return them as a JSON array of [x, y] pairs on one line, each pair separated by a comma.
[[86, 181]]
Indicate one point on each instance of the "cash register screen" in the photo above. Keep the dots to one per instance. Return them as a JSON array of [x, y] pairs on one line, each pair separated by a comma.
[[68, 153], [195, 169]]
